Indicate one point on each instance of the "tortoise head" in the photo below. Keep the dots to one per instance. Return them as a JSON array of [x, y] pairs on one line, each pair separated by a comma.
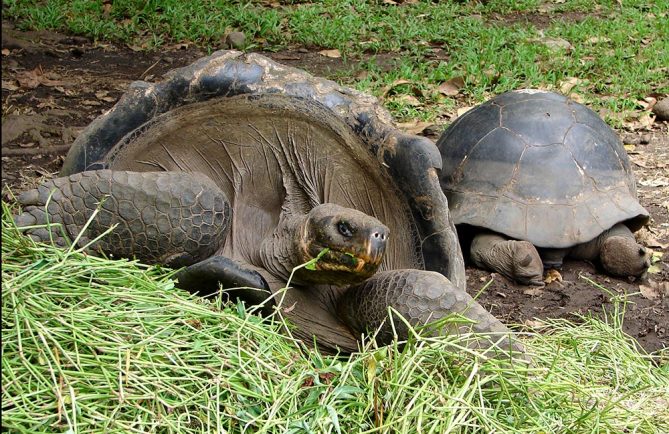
[[622, 256], [355, 241]]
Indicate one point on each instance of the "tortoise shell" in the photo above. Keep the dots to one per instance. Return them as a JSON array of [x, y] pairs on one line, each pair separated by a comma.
[[537, 166], [278, 140]]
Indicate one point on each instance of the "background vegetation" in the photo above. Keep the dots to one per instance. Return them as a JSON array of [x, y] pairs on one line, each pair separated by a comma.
[[610, 54]]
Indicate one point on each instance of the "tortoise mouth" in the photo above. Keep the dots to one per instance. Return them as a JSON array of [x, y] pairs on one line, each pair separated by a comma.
[[356, 262]]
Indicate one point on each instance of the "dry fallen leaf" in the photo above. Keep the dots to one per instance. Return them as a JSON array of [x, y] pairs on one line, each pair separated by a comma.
[[554, 43], [104, 96], [552, 275], [334, 53], [568, 84], [654, 289], [649, 239], [414, 127], [655, 268], [49, 103], [658, 182], [534, 291], [144, 45], [646, 120], [649, 292], [533, 323], [631, 149], [462, 110], [9, 85], [179, 46], [646, 105], [577, 97], [650, 102], [5, 51], [597, 40], [394, 84], [36, 77], [89, 102], [408, 100], [451, 87]]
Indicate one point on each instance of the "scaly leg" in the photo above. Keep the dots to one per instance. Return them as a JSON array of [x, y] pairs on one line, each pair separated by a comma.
[[517, 260], [170, 218], [421, 297]]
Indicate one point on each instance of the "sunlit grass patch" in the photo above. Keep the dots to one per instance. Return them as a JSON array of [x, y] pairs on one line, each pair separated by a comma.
[[617, 51]]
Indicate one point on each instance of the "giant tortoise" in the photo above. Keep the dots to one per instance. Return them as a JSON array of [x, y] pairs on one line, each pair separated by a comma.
[[241, 169], [532, 169]]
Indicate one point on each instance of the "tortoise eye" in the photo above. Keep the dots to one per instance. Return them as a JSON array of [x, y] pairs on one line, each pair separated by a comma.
[[345, 229]]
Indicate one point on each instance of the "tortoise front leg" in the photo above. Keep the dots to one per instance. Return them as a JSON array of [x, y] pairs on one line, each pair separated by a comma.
[[517, 260], [239, 280], [618, 252], [421, 297], [170, 218]]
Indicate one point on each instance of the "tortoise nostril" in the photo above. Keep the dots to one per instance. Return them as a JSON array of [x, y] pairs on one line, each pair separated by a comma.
[[380, 236]]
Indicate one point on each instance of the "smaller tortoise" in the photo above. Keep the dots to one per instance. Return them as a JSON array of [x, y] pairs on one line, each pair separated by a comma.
[[530, 176], [241, 169]]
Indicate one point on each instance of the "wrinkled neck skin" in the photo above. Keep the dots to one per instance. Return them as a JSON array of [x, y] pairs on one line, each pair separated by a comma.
[[284, 249], [590, 250]]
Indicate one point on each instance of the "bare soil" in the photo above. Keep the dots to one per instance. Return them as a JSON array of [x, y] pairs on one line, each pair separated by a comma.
[[54, 85]]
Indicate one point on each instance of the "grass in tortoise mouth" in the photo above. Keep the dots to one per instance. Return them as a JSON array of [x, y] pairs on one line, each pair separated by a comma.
[[335, 260]]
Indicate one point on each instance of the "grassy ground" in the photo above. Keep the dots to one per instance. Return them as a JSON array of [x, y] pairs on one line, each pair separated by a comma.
[[92, 345], [609, 54]]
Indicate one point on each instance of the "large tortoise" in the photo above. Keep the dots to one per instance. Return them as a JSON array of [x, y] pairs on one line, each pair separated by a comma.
[[531, 168], [241, 169]]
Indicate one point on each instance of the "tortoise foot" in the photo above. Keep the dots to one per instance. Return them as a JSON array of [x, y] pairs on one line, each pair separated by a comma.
[[553, 258], [420, 297], [517, 260], [168, 218], [208, 276]]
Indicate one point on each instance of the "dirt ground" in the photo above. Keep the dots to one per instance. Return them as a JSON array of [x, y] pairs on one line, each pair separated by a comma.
[[54, 85]]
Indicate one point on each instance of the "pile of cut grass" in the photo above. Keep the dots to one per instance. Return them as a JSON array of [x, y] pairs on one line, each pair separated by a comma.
[[93, 345]]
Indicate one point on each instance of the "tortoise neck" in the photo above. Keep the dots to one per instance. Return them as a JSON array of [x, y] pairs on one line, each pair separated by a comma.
[[284, 249]]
